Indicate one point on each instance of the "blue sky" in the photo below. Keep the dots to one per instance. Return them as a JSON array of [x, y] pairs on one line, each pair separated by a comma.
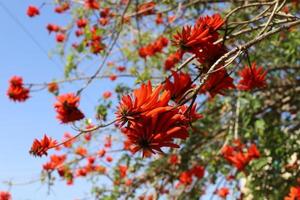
[[22, 122]]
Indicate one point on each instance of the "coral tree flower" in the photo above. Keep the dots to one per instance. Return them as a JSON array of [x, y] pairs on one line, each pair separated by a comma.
[[237, 157], [252, 77], [16, 90], [223, 192], [5, 195], [181, 84], [217, 83], [143, 100], [91, 4], [294, 194], [194, 38], [32, 11], [155, 130], [67, 108], [40, 147]]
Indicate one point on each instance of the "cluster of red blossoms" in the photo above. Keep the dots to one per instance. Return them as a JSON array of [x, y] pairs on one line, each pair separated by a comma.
[[32, 11], [236, 155], [252, 77], [5, 195], [294, 194], [186, 177], [16, 90], [154, 47], [151, 123], [67, 108], [40, 147], [200, 40]]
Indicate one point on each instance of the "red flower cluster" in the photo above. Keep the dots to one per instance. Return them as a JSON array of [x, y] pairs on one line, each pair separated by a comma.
[[151, 122], [60, 37], [144, 100], [217, 83], [203, 33], [186, 177], [40, 147], [62, 8], [123, 171], [252, 77], [294, 194], [16, 90], [153, 48], [67, 108], [81, 23], [55, 162], [237, 157], [146, 8], [106, 95], [53, 88], [223, 192], [53, 28], [95, 42], [181, 84], [104, 16], [32, 11], [91, 4], [172, 60], [5, 195]]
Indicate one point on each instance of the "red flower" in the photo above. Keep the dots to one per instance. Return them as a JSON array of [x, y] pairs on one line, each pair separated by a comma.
[[172, 60], [253, 152], [53, 87], [121, 68], [60, 37], [198, 171], [217, 82], [146, 8], [236, 156], [32, 11], [67, 140], [157, 129], [159, 19], [122, 171], [40, 147], [56, 161], [210, 53], [108, 141], [5, 195], [191, 38], [174, 159], [182, 83], [106, 95], [16, 90], [294, 194], [67, 108], [186, 178], [212, 23], [81, 23], [154, 47], [143, 100], [190, 113], [203, 33], [53, 28], [252, 77], [113, 77], [91, 4], [101, 152], [223, 192], [105, 12], [62, 8], [81, 151], [109, 159]]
